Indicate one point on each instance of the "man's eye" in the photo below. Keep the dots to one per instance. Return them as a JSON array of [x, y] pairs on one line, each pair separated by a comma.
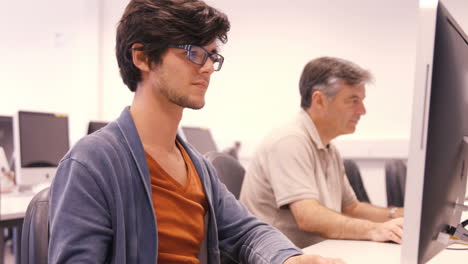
[[193, 53], [215, 58]]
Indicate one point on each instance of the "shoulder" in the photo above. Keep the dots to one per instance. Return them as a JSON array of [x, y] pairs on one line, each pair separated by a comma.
[[107, 140], [98, 152], [288, 136]]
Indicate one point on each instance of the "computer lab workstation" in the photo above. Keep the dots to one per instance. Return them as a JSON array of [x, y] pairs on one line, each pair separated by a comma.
[[31, 146]]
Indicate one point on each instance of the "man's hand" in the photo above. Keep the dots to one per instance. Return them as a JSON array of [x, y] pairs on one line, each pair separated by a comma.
[[388, 231], [312, 259]]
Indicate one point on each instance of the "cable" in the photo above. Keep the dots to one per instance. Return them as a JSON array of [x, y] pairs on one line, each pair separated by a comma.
[[457, 241], [464, 223], [457, 248]]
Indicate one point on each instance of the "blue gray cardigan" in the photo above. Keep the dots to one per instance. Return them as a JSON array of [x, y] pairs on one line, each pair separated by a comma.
[[101, 209]]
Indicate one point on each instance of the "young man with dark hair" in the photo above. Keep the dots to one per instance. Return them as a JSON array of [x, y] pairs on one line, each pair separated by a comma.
[[296, 180], [134, 192]]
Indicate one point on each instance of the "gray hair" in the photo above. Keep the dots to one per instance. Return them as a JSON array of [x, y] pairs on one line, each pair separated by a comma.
[[325, 73]]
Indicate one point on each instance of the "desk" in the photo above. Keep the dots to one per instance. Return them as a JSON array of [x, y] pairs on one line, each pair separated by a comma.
[[13, 208], [367, 252]]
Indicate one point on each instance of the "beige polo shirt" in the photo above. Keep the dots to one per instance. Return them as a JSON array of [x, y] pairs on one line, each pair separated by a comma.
[[292, 164]]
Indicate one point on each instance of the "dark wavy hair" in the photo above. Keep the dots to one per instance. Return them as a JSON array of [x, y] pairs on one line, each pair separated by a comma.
[[156, 24], [323, 74]]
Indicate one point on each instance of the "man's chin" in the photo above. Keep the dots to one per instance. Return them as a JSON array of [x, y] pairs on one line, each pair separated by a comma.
[[184, 102], [195, 105], [350, 130]]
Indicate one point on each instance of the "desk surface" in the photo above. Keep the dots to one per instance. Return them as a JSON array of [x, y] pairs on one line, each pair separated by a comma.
[[14, 205], [366, 252]]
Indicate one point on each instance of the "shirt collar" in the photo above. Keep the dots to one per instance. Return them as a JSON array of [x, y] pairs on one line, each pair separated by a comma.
[[311, 129]]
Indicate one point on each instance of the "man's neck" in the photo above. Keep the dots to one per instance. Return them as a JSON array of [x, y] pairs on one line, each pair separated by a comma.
[[326, 134], [156, 120]]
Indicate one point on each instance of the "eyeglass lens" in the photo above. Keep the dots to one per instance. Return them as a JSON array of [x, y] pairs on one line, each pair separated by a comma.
[[199, 56]]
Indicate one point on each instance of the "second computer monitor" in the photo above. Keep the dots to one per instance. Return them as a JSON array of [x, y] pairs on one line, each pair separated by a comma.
[[200, 138], [95, 125], [42, 139]]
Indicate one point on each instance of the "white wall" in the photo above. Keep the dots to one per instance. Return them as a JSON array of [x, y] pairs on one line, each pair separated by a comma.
[[114, 95], [49, 58], [269, 44]]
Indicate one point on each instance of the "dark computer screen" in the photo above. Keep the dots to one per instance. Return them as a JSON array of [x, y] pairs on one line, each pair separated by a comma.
[[6, 136], [200, 138], [43, 138], [95, 125], [438, 160]]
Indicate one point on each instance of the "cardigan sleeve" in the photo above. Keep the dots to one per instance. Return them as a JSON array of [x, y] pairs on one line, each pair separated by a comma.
[[80, 222]]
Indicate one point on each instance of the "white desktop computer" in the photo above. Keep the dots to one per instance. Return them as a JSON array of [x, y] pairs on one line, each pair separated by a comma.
[[438, 156], [41, 140]]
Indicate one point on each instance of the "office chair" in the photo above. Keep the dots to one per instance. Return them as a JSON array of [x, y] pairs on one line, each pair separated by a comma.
[[35, 237], [354, 178], [229, 170], [395, 179]]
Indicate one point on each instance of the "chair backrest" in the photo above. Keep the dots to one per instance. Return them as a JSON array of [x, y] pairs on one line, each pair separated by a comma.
[[355, 179], [395, 179], [35, 236], [229, 170]]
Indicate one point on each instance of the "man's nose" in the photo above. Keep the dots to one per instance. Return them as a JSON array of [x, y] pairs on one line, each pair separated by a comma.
[[208, 67]]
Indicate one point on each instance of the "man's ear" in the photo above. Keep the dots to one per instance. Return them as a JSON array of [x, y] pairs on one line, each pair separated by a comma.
[[319, 100], [140, 60]]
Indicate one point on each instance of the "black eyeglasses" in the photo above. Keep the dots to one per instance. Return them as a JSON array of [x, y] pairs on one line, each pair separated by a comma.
[[199, 55]]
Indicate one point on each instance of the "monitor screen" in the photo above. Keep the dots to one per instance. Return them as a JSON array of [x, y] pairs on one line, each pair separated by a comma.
[[437, 162], [6, 136], [200, 138], [95, 125], [43, 140]]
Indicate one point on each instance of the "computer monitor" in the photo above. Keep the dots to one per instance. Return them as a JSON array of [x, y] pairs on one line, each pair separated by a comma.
[[6, 137], [200, 138], [437, 162], [95, 125], [42, 139]]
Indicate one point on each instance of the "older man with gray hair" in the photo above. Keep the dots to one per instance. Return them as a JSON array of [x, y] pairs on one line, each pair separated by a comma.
[[296, 180]]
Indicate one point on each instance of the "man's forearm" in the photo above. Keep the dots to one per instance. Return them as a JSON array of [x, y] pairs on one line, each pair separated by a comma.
[[311, 216]]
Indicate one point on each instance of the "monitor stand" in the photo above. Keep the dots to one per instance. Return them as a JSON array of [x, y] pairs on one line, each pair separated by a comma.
[[453, 234]]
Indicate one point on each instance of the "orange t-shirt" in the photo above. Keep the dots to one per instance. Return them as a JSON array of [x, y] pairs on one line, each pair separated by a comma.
[[179, 212]]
